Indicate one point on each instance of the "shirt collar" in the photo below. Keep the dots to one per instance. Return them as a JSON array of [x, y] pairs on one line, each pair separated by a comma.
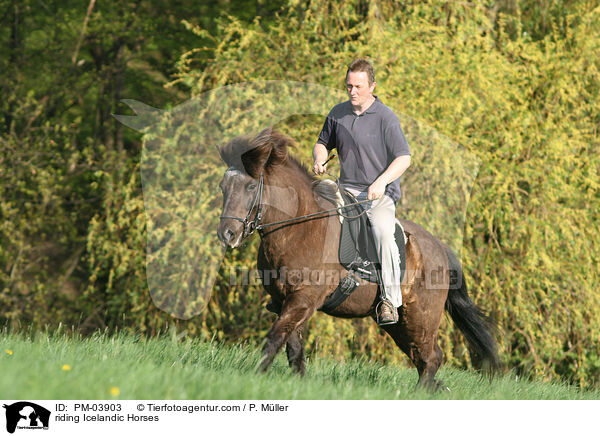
[[374, 106], [370, 110]]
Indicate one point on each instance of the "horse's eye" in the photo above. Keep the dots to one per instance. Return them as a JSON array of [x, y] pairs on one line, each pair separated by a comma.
[[251, 187]]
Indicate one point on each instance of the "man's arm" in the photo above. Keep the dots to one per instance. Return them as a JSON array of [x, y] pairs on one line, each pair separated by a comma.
[[320, 154], [393, 171]]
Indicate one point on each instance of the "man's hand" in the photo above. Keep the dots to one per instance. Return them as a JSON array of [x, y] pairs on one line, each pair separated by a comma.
[[393, 171], [319, 168], [376, 190], [320, 155]]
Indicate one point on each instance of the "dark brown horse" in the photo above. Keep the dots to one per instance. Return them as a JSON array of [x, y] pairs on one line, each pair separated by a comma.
[[298, 261]]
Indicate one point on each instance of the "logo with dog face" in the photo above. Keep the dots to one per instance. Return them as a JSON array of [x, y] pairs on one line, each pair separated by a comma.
[[26, 415]]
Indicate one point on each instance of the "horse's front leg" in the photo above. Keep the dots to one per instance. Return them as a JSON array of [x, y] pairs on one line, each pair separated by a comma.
[[295, 311]]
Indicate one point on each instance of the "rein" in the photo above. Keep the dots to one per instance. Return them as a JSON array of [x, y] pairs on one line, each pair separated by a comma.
[[250, 226]]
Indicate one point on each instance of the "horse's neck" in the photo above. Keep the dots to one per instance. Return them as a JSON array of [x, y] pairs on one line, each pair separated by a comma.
[[287, 200]]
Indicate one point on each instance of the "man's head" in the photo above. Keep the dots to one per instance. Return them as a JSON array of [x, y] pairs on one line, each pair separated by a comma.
[[360, 81]]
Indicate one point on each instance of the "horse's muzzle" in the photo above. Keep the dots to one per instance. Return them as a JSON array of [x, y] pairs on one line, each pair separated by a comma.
[[228, 235]]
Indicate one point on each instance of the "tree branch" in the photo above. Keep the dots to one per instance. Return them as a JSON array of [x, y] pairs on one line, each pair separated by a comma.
[[87, 18]]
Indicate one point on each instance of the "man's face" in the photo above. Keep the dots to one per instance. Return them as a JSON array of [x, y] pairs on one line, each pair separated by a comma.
[[359, 90]]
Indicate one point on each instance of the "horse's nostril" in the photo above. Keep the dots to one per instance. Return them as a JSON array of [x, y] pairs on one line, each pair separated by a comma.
[[228, 235]]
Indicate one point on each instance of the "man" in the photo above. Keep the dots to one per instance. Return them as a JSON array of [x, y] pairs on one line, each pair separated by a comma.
[[373, 154]]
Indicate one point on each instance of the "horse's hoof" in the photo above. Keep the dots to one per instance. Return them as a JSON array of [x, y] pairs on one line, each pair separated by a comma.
[[441, 387], [264, 366], [434, 386], [301, 372]]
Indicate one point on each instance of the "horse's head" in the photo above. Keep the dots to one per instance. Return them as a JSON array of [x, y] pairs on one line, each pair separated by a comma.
[[250, 160]]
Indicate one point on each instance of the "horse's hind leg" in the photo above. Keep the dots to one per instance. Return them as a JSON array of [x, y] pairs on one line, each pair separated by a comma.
[[295, 351], [428, 363], [426, 355]]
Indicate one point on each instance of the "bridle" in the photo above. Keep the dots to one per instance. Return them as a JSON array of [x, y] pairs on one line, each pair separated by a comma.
[[250, 226]]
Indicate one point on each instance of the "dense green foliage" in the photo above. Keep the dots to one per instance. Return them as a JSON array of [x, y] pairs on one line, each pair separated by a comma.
[[172, 366], [516, 84]]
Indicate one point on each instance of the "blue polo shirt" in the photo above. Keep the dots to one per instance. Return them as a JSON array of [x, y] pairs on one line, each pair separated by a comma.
[[366, 144]]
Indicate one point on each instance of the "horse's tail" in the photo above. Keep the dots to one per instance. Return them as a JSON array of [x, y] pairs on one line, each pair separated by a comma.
[[473, 322]]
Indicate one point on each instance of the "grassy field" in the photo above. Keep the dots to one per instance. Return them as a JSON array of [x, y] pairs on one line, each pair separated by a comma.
[[57, 366]]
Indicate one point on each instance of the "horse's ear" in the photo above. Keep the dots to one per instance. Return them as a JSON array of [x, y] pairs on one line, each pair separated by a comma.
[[269, 149]]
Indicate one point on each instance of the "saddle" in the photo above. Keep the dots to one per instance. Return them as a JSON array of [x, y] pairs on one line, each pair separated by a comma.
[[357, 252]]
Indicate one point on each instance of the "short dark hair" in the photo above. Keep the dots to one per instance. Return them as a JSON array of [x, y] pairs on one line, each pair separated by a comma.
[[362, 65]]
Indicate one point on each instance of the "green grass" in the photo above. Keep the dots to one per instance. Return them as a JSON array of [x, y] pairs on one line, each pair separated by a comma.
[[167, 368]]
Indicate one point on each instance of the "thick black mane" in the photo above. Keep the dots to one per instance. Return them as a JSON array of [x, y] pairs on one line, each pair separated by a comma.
[[294, 162], [256, 155], [265, 152]]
